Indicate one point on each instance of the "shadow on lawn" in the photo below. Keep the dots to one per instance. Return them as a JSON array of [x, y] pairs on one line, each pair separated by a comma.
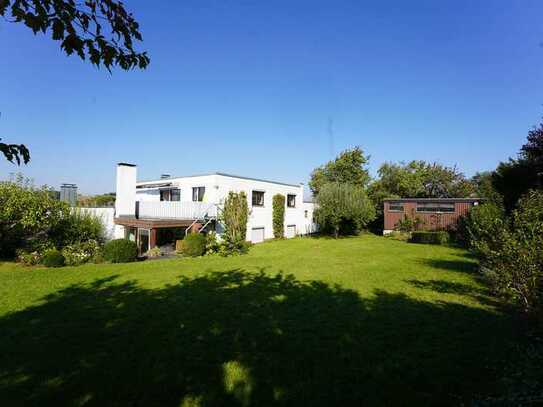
[[236, 338], [461, 265]]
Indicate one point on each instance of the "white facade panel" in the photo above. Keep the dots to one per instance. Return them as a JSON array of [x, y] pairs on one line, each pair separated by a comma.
[[257, 235]]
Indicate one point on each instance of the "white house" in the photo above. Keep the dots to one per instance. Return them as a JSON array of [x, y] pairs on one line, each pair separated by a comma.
[[159, 211]]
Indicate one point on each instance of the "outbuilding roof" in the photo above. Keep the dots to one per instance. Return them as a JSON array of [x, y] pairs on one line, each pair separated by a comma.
[[433, 199]]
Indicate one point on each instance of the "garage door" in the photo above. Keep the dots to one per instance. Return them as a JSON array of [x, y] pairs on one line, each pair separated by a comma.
[[257, 235], [291, 231]]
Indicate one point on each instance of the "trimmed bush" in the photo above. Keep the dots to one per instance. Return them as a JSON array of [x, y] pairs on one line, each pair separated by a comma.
[[53, 258], [234, 217], [120, 251], [427, 237], [194, 245]]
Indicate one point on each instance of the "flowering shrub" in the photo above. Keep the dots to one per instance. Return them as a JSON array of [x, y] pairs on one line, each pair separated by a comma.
[[80, 253], [153, 253], [29, 258]]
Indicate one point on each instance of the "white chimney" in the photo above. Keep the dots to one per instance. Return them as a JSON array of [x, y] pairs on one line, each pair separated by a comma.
[[125, 201]]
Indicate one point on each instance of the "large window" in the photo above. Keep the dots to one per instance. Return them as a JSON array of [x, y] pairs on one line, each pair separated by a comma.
[[198, 194], [258, 198], [291, 201], [436, 207], [395, 206], [173, 194]]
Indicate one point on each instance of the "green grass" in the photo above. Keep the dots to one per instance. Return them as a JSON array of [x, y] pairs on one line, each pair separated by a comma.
[[353, 321]]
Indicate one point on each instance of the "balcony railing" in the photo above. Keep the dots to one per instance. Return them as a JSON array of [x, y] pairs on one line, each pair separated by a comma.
[[175, 210]]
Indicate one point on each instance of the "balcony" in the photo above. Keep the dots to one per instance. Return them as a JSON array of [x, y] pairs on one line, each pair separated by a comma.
[[175, 210]]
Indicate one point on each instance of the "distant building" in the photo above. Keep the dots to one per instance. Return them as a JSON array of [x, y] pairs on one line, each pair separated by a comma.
[[68, 193]]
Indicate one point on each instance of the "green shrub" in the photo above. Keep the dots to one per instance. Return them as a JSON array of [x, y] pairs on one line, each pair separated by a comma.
[[194, 245], [512, 255], [396, 235], [120, 251], [343, 209], [26, 215], [77, 226], [236, 248], [408, 224], [278, 216], [478, 224], [53, 258], [29, 258], [212, 243], [428, 237], [234, 216], [80, 253]]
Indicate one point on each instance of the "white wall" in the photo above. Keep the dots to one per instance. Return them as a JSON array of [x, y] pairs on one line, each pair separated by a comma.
[[217, 188], [106, 215], [262, 216], [184, 184]]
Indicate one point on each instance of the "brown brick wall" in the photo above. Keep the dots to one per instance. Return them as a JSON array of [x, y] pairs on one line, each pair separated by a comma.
[[431, 220]]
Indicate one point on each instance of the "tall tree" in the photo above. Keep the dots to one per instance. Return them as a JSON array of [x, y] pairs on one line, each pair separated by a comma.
[[102, 31], [349, 167], [514, 178], [343, 208], [419, 179]]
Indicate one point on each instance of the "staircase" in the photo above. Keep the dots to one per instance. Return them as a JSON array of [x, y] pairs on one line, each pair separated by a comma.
[[205, 217]]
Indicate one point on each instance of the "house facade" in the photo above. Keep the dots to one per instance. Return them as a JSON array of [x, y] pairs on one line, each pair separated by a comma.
[[160, 211], [434, 214]]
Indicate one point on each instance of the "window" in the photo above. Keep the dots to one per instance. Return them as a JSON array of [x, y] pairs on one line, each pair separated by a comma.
[[164, 194], [395, 207], [258, 198], [175, 194], [198, 194], [305, 214], [435, 207], [291, 201]]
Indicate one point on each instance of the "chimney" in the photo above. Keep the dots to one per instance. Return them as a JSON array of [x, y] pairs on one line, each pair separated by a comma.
[[125, 201]]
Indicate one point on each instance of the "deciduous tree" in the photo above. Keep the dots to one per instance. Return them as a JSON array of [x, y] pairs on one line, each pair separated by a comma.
[[350, 167]]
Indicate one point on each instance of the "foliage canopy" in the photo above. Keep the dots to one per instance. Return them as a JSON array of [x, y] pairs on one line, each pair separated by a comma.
[[350, 166]]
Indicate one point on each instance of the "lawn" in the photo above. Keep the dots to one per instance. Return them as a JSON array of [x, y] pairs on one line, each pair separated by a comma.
[[307, 321]]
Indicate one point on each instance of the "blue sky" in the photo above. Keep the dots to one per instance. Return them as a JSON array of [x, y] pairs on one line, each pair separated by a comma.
[[249, 87]]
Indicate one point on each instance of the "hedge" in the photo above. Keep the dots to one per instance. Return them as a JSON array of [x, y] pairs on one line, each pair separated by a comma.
[[194, 245], [439, 237], [120, 251], [53, 258]]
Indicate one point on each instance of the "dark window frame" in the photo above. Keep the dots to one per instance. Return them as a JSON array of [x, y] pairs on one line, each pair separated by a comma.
[[436, 207], [198, 194], [256, 193], [293, 196]]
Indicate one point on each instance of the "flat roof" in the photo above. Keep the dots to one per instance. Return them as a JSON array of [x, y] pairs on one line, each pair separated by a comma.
[[223, 174], [433, 199]]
